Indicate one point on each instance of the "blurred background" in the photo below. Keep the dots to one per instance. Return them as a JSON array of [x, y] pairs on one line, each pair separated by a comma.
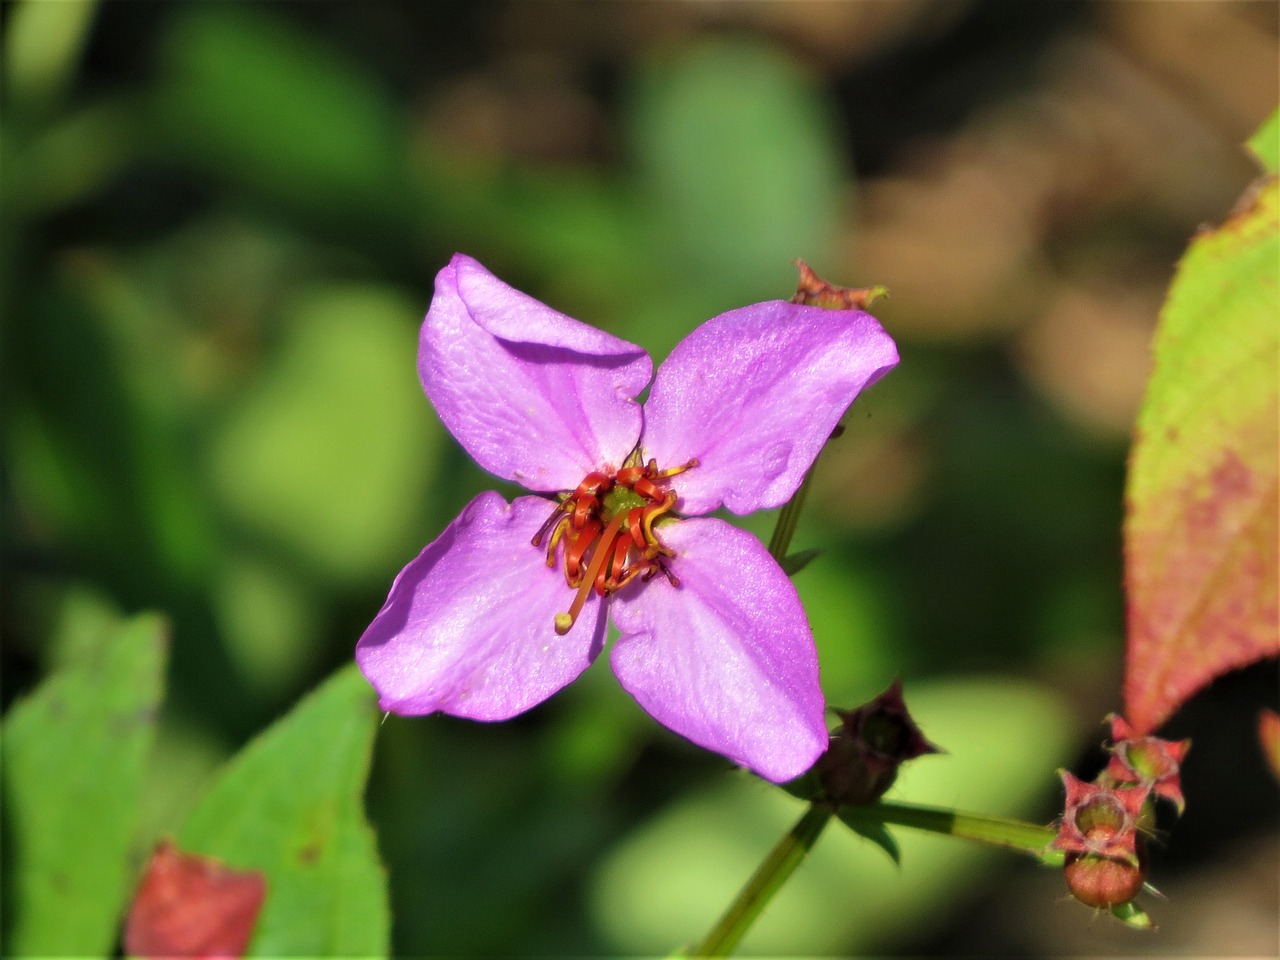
[[221, 224]]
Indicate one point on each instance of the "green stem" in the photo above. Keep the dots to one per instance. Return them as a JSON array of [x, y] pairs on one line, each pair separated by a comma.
[[788, 518], [783, 859], [1028, 838]]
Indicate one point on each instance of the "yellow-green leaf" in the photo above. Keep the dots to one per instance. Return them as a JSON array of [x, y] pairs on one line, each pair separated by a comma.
[[74, 756], [1200, 533], [291, 805]]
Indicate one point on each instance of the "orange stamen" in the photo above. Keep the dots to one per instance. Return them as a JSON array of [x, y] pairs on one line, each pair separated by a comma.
[[565, 621], [583, 508], [621, 551], [651, 514], [575, 550]]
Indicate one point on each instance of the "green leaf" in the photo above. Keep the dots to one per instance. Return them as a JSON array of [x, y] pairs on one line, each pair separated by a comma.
[[793, 563], [1200, 534], [873, 830], [1265, 143], [291, 804], [74, 754]]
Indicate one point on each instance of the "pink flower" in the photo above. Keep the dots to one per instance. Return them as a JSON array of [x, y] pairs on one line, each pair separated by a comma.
[[511, 602]]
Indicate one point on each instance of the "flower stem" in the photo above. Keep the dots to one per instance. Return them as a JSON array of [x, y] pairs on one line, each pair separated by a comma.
[[788, 517], [783, 859], [1029, 838]]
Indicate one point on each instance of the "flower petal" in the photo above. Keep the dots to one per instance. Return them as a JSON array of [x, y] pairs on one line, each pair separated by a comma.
[[533, 395], [726, 658], [753, 394], [469, 626]]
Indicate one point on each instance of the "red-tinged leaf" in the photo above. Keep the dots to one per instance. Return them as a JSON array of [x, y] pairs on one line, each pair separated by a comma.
[[193, 906], [1200, 534], [1269, 734]]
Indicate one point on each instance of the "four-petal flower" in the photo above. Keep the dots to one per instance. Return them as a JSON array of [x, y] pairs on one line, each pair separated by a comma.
[[713, 641]]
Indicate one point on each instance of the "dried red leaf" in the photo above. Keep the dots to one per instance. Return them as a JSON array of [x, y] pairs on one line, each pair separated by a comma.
[[193, 906], [1269, 735]]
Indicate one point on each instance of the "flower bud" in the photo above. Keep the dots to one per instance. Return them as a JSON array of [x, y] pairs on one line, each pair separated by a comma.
[[1148, 761], [1102, 881], [867, 748], [1106, 856], [1100, 819]]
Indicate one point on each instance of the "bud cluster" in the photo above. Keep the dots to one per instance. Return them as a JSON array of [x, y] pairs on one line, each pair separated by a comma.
[[1105, 823]]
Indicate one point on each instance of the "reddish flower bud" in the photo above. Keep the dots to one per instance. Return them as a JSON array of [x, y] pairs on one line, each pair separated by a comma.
[[1106, 860], [1148, 761], [1102, 881], [866, 750], [1100, 819]]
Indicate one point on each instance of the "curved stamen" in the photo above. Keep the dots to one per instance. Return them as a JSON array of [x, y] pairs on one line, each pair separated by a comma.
[[551, 521], [575, 550], [583, 508], [565, 621], [653, 513], [556, 534]]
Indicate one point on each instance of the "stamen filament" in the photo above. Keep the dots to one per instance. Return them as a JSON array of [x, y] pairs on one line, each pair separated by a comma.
[[652, 514], [551, 521], [565, 621]]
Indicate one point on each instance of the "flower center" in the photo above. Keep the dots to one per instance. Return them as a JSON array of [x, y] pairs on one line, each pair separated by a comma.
[[604, 532]]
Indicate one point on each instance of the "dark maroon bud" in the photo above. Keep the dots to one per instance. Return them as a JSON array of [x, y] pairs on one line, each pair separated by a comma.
[[865, 751]]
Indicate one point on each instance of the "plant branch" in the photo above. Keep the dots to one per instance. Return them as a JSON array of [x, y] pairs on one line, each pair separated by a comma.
[[1018, 835], [781, 862]]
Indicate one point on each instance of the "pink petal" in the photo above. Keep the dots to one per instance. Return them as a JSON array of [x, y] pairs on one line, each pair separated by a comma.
[[469, 626], [753, 394], [534, 396], [726, 658]]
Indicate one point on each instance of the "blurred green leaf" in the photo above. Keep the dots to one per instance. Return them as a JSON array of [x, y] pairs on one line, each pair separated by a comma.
[[42, 44], [739, 167], [1200, 534], [253, 98], [291, 804], [851, 627], [269, 619], [71, 157], [1265, 143], [74, 753], [669, 880], [330, 454]]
